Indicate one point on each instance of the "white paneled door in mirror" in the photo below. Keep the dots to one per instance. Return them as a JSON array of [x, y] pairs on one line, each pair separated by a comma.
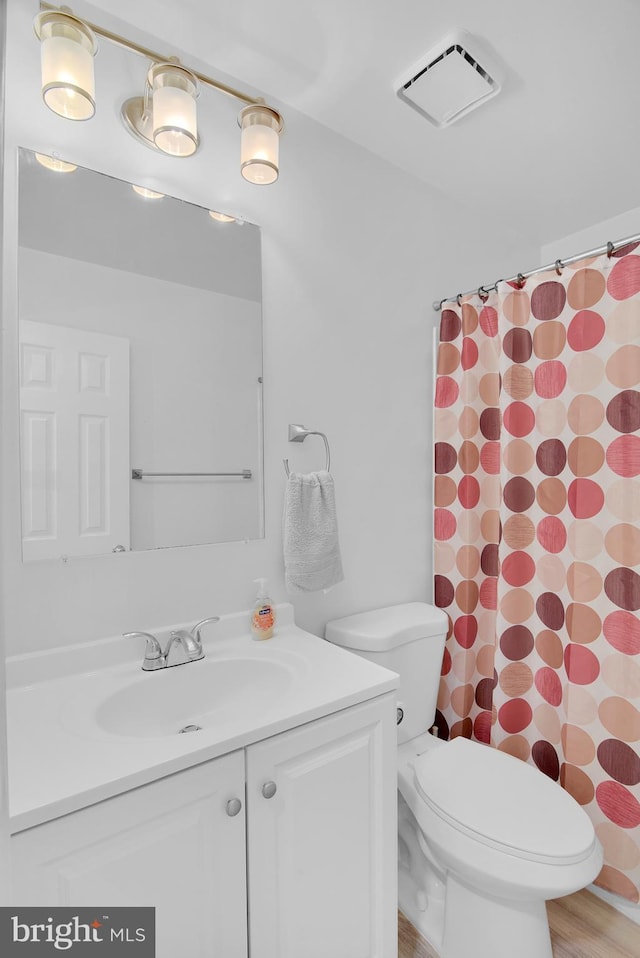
[[74, 411]]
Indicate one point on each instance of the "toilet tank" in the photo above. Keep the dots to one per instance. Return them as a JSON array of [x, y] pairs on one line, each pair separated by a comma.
[[408, 639]]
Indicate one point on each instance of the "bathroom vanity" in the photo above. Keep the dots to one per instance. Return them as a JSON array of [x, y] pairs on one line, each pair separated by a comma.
[[269, 832]]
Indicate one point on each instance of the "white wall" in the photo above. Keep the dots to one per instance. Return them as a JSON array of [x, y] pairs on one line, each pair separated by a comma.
[[610, 230], [4, 791], [354, 252]]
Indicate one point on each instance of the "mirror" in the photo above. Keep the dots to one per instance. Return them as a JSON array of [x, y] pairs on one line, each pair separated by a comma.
[[140, 329]]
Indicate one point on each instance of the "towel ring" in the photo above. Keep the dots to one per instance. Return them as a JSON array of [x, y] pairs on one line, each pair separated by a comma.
[[299, 434]]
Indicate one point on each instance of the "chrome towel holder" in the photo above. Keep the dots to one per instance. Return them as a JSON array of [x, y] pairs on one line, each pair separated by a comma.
[[299, 434]]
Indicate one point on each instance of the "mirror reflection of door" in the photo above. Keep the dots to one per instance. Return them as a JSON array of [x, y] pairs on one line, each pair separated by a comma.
[[184, 289], [74, 420]]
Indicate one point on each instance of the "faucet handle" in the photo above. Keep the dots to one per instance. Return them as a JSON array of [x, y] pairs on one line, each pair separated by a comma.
[[153, 655], [195, 631]]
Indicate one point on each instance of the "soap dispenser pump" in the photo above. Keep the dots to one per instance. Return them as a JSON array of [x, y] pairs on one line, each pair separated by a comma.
[[264, 618]]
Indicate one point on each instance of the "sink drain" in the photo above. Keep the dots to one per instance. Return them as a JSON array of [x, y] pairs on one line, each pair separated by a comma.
[[190, 728]]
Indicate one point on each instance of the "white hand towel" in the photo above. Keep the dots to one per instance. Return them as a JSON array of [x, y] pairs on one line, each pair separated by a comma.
[[310, 533]]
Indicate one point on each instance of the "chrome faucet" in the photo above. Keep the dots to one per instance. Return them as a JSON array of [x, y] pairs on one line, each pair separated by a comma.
[[189, 641], [154, 657]]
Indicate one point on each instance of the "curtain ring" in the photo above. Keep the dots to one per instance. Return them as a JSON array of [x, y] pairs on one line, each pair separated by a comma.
[[483, 294], [458, 299], [610, 249], [559, 267], [521, 280]]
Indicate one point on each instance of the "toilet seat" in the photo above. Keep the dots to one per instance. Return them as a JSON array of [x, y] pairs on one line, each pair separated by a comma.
[[503, 803]]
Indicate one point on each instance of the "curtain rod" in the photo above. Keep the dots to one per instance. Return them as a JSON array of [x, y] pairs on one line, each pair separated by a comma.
[[609, 248]]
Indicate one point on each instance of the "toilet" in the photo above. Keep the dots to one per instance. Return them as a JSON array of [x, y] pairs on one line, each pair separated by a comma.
[[484, 839]]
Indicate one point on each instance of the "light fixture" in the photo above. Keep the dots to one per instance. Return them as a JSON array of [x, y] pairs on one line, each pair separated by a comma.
[[55, 163], [164, 118], [146, 193], [259, 145], [67, 49], [175, 124], [221, 217]]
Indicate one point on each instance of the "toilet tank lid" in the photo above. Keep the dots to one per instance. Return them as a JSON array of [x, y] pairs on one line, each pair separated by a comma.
[[382, 629]]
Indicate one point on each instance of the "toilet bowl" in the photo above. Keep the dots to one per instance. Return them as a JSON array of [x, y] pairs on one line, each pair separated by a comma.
[[483, 838]]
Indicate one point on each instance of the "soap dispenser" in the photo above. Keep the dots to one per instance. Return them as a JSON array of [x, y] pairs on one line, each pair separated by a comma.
[[263, 619]]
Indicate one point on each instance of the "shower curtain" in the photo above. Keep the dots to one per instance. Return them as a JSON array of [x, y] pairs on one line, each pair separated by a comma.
[[537, 534]]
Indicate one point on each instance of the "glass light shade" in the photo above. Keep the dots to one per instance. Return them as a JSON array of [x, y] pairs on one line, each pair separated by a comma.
[[55, 163], [67, 49], [221, 217], [146, 193], [260, 142], [175, 123]]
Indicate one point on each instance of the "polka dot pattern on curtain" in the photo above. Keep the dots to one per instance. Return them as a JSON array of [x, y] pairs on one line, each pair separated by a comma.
[[537, 534]]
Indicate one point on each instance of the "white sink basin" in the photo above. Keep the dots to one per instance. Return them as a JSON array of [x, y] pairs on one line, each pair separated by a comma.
[[166, 702], [86, 723]]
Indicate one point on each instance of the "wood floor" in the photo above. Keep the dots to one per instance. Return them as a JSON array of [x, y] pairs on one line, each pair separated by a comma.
[[582, 926]]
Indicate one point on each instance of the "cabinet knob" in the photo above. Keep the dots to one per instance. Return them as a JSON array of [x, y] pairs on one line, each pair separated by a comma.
[[269, 789], [233, 807]]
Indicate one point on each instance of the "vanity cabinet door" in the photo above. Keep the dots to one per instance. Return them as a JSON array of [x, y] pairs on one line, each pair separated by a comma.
[[172, 844], [321, 819]]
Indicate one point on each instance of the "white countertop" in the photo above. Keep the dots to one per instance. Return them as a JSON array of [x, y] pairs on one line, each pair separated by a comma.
[[61, 760]]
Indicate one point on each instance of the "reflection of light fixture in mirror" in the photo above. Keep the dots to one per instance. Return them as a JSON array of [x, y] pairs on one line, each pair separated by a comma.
[[164, 118], [55, 163], [259, 146], [67, 49], [221, 217], [146, 193]]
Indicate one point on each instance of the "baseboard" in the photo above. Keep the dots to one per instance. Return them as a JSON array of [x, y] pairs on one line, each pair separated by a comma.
[[627, 908]]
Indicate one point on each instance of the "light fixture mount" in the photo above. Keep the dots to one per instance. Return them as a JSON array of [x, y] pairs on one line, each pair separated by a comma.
[[137, 120], [50, 15]]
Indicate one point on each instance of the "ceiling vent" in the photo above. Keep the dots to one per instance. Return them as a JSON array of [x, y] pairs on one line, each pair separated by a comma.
[[451, 80]]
